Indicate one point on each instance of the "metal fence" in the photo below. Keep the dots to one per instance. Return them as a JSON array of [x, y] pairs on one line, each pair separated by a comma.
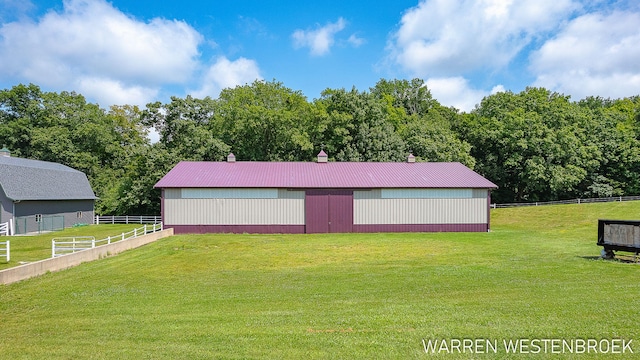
[[39, 224], [69, 245], [128, 219], [573, 201]]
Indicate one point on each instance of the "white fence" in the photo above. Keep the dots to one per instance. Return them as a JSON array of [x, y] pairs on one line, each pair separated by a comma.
[[5, 250], [69, 245], [5, 229], [573, 201], [128, 219]]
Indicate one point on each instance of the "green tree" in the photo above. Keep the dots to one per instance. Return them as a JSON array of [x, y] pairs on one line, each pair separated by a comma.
[[264, 121], [424, 125], [617, 138], [355, 126], [535, 145], [185, 128], [64, 128]]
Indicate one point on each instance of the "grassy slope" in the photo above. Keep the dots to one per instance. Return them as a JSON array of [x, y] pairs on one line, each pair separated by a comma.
[[536, 275], [38, 247]]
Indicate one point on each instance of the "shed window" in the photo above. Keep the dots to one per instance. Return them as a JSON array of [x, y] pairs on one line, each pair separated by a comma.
[[79, 214], [38, 217]]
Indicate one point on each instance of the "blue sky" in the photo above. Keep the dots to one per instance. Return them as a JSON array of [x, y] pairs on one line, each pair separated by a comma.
[[135, 52]]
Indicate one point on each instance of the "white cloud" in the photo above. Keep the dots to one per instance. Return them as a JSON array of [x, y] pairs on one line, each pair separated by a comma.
[[596, 54], [456, 92], [355, 40], [226, 74], [91, 44], [448, 38], [319, 41], [113, 92]]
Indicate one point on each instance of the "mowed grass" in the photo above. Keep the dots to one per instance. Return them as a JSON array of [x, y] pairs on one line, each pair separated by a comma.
[[38, 247], [537, 275]]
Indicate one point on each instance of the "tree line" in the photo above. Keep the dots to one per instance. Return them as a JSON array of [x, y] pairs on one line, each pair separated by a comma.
[[536, 145]]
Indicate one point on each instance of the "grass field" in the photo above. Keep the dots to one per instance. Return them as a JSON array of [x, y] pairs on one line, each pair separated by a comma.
[[537, 275], [38, 247]]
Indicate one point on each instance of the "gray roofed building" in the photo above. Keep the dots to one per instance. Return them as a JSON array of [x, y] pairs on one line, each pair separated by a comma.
[[25, 179], [33, 192]]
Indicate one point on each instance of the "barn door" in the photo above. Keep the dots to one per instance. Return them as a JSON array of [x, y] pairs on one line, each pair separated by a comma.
[[329, 211]]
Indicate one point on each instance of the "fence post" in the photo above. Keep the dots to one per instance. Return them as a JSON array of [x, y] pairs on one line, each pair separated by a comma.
[[122, 236], [97, 219], [135, 232], [93, 243], [145, 229], [8, 251], [126, 219], [108, 239]]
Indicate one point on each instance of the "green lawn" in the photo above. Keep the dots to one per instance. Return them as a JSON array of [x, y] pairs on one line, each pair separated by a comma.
[[537, 275], [38, 247]]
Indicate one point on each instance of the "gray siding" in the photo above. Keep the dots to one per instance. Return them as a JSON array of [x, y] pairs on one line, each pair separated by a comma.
[[229, 194], [6, 207], [63, 212]]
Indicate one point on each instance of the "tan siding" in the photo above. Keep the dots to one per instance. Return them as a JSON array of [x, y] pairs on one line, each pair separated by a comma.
[[234, 211], [419, 211]]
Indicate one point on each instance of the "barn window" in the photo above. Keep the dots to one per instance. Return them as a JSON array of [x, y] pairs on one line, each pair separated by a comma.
[[79, 214], [38, 217]]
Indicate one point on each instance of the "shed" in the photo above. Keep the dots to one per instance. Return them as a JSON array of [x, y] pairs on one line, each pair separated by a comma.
[[324, 197], [39, 195]]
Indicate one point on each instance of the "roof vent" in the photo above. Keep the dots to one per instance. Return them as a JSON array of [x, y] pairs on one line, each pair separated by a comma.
[[5, 152], [322, 157], [231, 158], [411, 158]]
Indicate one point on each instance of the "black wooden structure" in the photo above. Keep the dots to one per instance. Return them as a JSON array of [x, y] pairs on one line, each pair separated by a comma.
[[618, 235]]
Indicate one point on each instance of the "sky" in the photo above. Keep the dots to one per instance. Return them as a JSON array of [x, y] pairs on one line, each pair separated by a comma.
[[139, 51]]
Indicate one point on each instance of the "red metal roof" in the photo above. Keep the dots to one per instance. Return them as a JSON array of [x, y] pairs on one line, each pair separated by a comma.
[[335, 175]]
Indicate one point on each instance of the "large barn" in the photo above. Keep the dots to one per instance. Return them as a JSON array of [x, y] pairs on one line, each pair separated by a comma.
[[40, 195], [324, 197]]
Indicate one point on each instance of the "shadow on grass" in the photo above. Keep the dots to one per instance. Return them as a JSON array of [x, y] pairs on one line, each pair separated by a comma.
[[627, 259]]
